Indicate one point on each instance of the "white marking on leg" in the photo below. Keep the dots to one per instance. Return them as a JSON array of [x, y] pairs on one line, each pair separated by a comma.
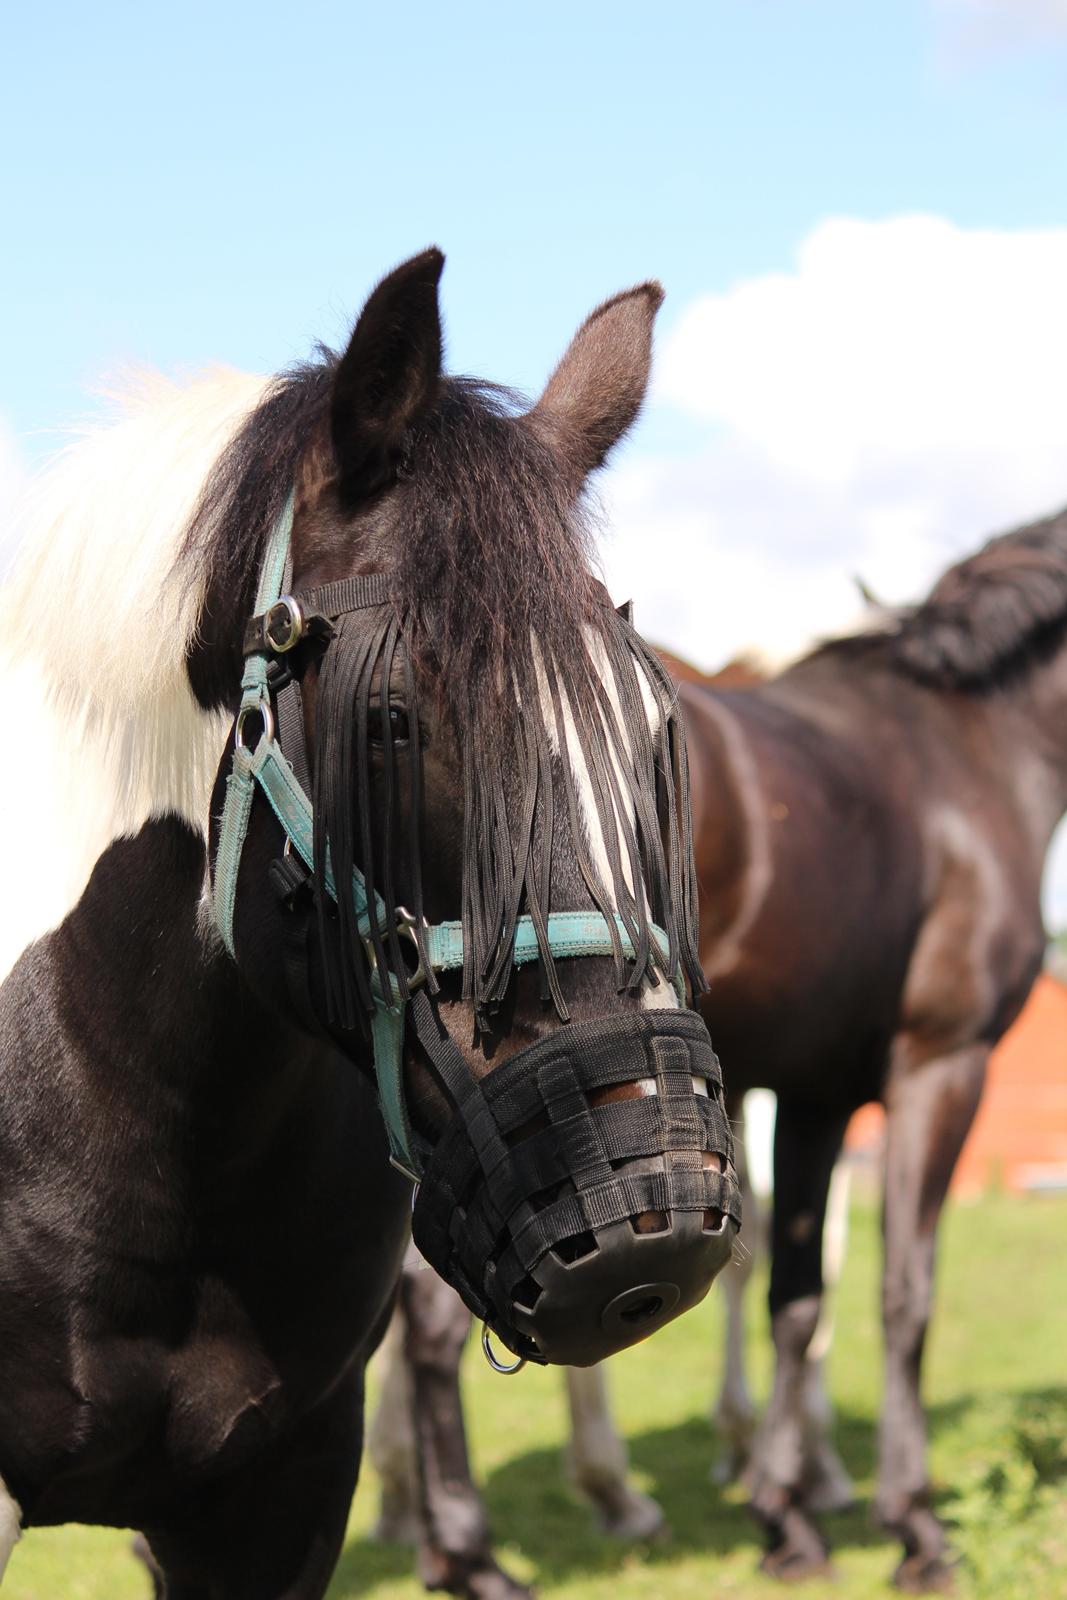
[[10, 1526], [827, 1485], [735, 1411], [391, 1443], [598, 1461]]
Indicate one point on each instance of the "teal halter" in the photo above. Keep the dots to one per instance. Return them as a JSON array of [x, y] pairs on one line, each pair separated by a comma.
[[570, 933]]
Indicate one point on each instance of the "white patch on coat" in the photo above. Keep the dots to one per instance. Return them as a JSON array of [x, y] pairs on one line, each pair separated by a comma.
[[96, 628], [759, 872], [10, 1526], [656, 993]]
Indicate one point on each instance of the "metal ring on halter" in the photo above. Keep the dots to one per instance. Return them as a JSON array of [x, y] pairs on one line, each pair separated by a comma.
[[405, 924], [261, 710], [494, 1362]]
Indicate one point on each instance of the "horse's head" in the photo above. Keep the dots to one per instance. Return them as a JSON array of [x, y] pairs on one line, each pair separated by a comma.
[[466, 852]]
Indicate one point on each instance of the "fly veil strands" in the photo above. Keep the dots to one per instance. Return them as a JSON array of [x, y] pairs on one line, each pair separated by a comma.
[[555, 702]]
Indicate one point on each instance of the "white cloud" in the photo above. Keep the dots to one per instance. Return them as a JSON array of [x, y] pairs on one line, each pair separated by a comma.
[[879, 410], [970, 29]]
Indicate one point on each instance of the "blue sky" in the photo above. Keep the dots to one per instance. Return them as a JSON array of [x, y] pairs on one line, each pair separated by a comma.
[[858, 209], [225, 181]]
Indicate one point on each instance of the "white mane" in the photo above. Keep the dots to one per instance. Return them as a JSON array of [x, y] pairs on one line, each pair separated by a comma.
[[100, 726]]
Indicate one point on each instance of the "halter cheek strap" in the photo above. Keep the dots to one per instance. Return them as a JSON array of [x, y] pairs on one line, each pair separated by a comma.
[[278, 624]]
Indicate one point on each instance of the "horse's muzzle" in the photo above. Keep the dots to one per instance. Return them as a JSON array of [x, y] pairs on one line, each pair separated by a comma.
[[583, 1193]]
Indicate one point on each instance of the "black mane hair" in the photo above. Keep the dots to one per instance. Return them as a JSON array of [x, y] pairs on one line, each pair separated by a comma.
[[987, 621], [994, 614], [494, 607]]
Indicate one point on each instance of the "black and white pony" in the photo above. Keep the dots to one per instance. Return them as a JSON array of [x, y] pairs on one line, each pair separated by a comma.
[[200, 1230]]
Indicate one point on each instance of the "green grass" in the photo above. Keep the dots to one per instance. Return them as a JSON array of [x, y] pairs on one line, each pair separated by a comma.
[[996, 1389]]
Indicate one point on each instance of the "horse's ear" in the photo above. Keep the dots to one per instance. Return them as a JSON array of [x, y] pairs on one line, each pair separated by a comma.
[[388, 375], [596, 391]]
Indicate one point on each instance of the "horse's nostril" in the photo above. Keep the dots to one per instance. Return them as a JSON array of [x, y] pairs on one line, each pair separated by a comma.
[[713, 1221], [643, 1310]]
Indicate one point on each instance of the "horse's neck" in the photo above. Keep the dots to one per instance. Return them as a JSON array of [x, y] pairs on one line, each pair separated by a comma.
[[151, 1009]]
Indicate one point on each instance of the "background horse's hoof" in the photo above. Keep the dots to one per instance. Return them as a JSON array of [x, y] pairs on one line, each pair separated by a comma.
[[472, 1579], [631, 1515], [797, 1549], [796, 1566], [926, 1574]]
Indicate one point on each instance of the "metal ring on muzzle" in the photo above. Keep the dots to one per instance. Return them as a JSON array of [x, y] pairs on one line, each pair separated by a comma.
[[574, 1198]]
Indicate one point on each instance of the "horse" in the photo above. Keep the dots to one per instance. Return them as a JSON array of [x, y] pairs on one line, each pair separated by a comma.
[[362, 857], [870, 828], [892, 795]]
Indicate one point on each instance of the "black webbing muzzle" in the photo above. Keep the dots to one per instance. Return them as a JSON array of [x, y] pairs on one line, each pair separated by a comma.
[[535, 1199]]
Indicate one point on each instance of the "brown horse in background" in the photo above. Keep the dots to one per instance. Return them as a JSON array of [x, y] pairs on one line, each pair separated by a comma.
[[871, 829]]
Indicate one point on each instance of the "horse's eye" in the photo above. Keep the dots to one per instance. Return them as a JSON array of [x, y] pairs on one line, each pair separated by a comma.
[[398, 726]]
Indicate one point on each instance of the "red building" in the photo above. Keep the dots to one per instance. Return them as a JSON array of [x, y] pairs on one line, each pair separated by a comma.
[[1019, 1138]]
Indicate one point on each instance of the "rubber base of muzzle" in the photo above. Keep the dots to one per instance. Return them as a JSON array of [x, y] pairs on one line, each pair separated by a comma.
[[530, 1202], [629, 1287]]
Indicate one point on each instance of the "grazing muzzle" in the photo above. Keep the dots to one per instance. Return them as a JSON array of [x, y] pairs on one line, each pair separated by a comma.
[[536, 1199]]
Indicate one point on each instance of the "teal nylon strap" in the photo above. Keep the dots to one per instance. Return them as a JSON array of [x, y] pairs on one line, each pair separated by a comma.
[[235, 813]]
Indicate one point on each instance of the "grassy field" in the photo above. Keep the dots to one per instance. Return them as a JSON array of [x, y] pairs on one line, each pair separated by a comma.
[[996, 1388]]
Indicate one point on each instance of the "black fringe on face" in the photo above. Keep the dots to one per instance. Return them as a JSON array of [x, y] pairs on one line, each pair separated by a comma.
[[579, 724], [355, 680]]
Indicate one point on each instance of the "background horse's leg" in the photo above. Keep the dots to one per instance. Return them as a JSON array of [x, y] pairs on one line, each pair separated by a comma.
[[806, 1143], [143, 1551], [391, 1442], [930, 1109], [734, 1413], [597, 1460], [826, 1484], [454, 1545]]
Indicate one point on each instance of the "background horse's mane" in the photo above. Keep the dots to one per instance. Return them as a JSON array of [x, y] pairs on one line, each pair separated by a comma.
[[987, 620]]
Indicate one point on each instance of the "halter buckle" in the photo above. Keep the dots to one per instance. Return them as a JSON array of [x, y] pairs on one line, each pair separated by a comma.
[[283, 624]]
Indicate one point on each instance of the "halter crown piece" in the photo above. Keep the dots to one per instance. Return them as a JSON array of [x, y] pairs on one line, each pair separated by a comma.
[[573, 1196]]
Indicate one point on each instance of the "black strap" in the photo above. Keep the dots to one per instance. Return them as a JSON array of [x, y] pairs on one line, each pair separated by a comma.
[[321, 605]]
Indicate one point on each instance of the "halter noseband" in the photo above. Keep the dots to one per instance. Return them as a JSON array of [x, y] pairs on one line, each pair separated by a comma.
[[280, 622]]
